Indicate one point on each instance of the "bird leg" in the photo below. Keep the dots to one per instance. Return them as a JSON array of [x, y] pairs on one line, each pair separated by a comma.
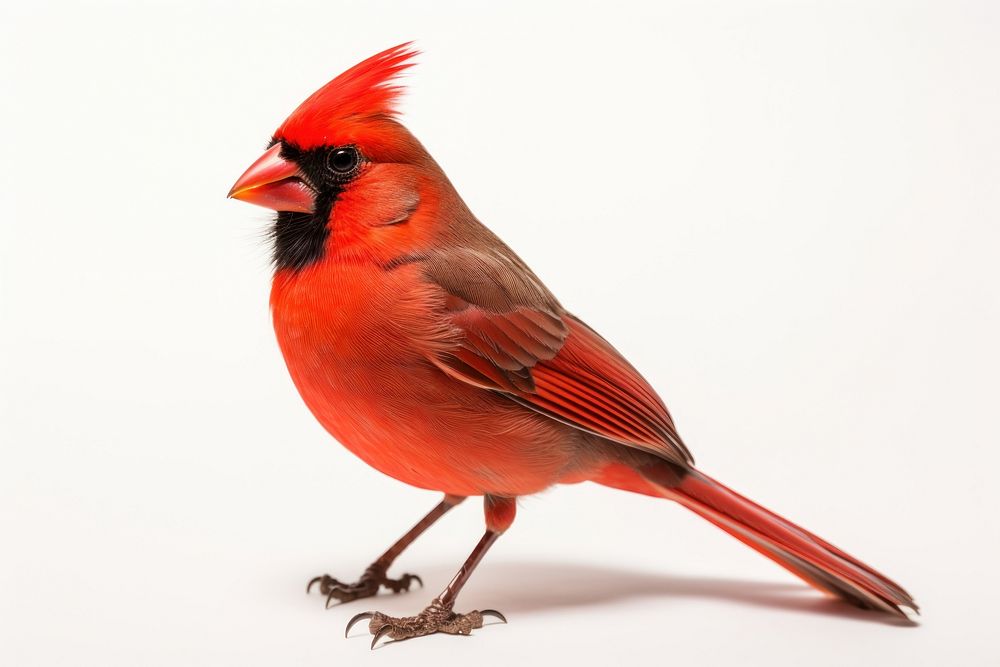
[[439, 616], [375, 575]]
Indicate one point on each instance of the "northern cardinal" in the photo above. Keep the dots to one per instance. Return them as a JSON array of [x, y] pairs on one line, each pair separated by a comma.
[[423, 344]]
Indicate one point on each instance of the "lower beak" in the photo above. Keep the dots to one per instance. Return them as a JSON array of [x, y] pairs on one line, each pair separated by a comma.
[[275, 183]]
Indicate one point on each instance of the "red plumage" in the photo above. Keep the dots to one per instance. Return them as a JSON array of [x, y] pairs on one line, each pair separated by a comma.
[[429, 349], [365, 90]]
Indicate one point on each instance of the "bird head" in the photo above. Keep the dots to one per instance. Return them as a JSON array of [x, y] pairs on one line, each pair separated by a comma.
[[341, 170]]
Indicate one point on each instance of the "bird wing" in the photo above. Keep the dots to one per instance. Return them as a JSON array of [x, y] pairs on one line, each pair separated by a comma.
[[513, 337]]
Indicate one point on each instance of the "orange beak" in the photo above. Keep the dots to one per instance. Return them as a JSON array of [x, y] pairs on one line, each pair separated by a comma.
[[275, 183]]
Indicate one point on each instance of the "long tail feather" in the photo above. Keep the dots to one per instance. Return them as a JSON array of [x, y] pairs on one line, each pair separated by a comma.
[[814, 560]]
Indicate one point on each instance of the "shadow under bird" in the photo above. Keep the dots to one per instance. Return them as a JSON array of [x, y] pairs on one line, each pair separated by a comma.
[[429, 349]]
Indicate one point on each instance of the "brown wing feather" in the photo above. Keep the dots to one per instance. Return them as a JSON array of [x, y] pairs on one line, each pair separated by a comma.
[[515, 338]]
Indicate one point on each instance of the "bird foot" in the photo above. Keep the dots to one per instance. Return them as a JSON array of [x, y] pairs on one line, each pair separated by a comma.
[[437, 617], [368, 585]]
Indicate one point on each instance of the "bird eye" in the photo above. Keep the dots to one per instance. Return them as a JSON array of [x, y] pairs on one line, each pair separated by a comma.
[[342, 161]]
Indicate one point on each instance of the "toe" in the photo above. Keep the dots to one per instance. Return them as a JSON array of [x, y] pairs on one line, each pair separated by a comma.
[[462, 624], [403, 583], [326, 583]]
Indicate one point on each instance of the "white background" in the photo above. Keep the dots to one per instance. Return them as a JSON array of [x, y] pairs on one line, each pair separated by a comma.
[[784, 213]]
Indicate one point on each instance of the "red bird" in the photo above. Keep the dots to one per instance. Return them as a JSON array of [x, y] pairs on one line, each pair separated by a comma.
[[428, 348]]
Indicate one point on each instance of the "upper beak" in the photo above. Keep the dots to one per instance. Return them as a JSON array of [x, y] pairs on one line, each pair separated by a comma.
[[275, 183]]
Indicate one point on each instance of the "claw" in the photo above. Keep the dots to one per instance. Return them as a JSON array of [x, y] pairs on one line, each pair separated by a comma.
[[333, 592], [382, 632], [417, 579], [494, 612], [357, 617], [314, 580]]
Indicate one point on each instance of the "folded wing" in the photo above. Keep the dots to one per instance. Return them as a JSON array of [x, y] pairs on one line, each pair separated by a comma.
[[513, 337]]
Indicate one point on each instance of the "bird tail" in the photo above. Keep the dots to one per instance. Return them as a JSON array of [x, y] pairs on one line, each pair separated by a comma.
[[811, 558]]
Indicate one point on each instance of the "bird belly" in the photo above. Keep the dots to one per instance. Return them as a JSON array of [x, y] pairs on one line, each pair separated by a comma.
[[412, 425], [362, 374]]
